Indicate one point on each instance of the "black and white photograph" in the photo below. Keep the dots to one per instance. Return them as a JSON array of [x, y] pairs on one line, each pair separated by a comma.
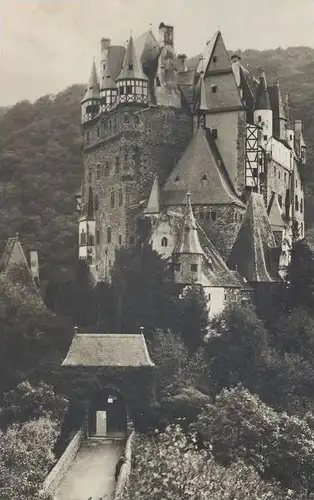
[[157, 250]]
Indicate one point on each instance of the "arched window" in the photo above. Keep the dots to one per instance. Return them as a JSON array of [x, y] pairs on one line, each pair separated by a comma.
[[164, 242], [177, 179]]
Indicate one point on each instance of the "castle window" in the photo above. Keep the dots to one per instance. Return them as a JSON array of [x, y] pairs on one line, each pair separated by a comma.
[[278, 174], [290, 137], [259, 118], [214, 89], [301, 229], [177, 179], [204, 179], [112, 199], [120, 197], [129, 89], [96, 202], [164, 242], [214, 216], [107, 170], [265, 137], [215, 133], [285, 176], [215, 59], [109, 235], [194, 268], [117, 168], [301, 205], [83, 238], [275, 170], [280, 200], [296, 202], [120, 239], [98, 171], [97, 237], [296, 183], [121, 91]]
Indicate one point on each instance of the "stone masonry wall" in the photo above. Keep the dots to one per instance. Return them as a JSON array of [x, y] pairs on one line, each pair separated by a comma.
[[121, 157]]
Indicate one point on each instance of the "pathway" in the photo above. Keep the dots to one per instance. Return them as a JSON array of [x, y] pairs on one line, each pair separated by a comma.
[[91, 476]]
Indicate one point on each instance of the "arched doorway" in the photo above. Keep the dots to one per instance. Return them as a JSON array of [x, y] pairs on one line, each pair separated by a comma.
[[107, 414]]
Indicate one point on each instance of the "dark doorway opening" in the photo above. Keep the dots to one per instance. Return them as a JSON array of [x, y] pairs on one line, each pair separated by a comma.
[[107, 414]]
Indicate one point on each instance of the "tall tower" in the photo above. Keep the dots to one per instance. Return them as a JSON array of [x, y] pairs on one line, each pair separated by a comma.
[[263, 114], [132, 83], [91, 100]]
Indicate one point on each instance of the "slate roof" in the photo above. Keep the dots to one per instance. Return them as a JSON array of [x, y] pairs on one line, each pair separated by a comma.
[[153, 204], [275, 213], [199, 170], [276, 101], [14, 255], [131, 67], [111, 349], [262, 94], [92, 91], [188, 241], [147, 49], [252, 251]]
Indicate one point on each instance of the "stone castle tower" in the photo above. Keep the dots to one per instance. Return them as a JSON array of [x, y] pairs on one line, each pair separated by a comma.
[[157, 126]]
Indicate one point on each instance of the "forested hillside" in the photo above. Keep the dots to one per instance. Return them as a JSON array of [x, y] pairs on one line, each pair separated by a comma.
[[40, 157]]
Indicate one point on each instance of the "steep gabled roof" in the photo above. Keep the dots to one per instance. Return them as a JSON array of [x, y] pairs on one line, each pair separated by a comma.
[[14, 256], [113, 67], [188, 241], [131, 67], [207, 54], [275, 213], [92, 91], [147, 48], [153, 204], [251, 254], [111, 349], [199, 170], [287, 112]]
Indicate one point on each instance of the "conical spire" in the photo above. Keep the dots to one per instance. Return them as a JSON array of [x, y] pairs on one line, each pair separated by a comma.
[[153, 205], [131, 68], [281, 109], [90, 204], [202, 99], [262, 96], [287, 112], [92, 91], [188, 240]]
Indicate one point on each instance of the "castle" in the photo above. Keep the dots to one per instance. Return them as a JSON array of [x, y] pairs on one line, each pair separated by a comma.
[[200, 156]]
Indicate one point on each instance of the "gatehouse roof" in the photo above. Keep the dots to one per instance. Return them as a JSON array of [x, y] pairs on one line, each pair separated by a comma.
[[109, 349]]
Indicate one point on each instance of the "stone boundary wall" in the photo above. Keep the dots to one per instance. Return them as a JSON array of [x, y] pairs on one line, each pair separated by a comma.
[[125, 469], [56, 475]]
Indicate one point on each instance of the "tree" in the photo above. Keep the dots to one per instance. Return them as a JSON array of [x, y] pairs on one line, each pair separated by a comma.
[[301, 273], [25, 458], [236, 347], [169, 466], [192, 317], [239, 426]]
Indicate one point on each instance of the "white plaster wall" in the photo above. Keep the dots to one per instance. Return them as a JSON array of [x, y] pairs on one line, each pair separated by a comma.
[[280, 153], [161, 230]]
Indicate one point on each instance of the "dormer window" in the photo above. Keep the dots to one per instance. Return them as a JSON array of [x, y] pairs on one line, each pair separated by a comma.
[[194, 268], [164, 242], [214, 89], [177, 179], [204, 179], [131, 66], [215, 59]]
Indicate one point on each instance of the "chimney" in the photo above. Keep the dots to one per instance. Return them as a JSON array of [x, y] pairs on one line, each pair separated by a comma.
[[104, 44], [75, 330], [142, 330], [34, 265], [182, 58], [165, 35]]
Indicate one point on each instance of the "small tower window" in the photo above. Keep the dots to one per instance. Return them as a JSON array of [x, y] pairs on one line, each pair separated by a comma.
[[301, 205], [109, 235], [215, 133], [278, 174], [97, 237], [265, 137], [83, 238], [296, 183], [120, 239], [259, 118], [177, 179], [301, 229], [129, 89], [112, 199], [164, 242], [214, 89], [280, 200], [120, 197], [215, 59], [285, 176], [194, 268], [107, 170], [296, 202], [204, 179], [117, 165]]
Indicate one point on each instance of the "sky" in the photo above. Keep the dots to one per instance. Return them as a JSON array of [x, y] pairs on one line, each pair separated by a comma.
[[47, 45]]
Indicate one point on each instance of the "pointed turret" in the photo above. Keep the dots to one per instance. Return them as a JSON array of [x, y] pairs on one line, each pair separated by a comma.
[[153, 204], [132, 83], [263, 114], [108, 87], [91, 99], [290, 126], [279, 114], [189, 242]]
